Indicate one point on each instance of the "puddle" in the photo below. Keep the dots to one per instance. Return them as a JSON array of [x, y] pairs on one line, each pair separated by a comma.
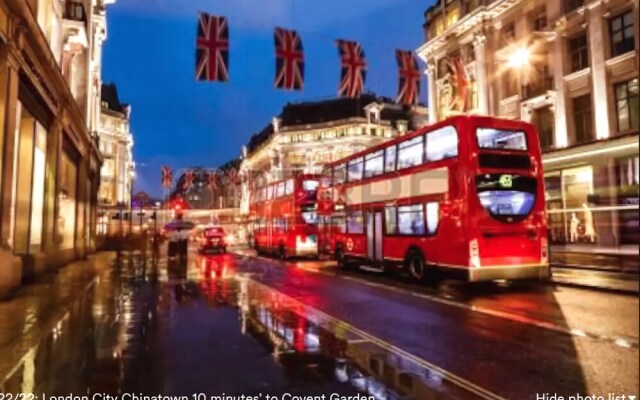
[[206, 327]]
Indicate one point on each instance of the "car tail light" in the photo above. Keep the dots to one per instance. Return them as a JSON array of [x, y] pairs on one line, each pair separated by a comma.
[[474, 254]]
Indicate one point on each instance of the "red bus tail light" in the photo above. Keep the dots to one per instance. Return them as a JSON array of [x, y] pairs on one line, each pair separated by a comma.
[[544, 251], [474, 254]]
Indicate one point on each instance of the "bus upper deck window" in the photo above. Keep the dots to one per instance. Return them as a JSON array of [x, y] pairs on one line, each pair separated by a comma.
[[442, 143], [502, 139]]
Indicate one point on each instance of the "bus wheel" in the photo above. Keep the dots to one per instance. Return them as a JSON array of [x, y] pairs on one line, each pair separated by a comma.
[[416, 266]]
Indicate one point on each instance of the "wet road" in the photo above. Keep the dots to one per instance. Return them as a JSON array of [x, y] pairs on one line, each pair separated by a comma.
[[514, 340], [216, 325]]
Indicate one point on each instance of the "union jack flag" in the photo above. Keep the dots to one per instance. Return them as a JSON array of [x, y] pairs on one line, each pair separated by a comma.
[[213, 180], [409, 77], [232, 175], [289, 60], [167, 177], [212, 49], [354, 68], [188, 180]]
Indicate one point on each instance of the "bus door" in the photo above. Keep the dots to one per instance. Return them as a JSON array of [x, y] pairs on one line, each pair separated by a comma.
[[373, 220]]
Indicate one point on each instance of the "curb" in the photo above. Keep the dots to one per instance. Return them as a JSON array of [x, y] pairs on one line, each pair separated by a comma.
[[604, 289]]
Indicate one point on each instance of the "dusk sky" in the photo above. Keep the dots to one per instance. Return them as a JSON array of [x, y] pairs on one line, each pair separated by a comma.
[[150, 56]]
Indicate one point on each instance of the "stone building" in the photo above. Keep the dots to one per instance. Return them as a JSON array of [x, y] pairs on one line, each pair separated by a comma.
[[49, 103], [116, 145], [571, 68], [307, 135]]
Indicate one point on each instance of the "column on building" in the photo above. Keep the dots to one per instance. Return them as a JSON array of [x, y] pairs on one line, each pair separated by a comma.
[[480, 49], [561, 138], [431, 83], [10, 265], [597, 53]]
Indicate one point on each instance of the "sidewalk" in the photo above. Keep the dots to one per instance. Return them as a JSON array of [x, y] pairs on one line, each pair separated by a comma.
[[624, 259], [37, 308], [621, 283]]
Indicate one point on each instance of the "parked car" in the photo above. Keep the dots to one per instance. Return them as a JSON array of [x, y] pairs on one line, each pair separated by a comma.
[[213, 238]]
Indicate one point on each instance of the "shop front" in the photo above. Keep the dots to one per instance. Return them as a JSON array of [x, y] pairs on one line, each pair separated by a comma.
[[592, 194]]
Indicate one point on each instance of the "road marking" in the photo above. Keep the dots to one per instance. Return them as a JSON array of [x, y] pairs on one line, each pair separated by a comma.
[[451, 377], [625, 342]]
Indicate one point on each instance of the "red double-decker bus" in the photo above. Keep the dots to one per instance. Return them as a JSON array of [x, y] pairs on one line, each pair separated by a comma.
[[284, 217], [465, 195]]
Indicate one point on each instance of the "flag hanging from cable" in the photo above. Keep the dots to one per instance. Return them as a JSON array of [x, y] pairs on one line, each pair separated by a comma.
[[213, 180], [408, 77], [289, 60], [188, 180], [212, 49], [167, 177], [353, 68]]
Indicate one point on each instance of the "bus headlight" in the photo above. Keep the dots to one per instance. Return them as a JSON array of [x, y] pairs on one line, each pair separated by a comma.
[[474, 254]]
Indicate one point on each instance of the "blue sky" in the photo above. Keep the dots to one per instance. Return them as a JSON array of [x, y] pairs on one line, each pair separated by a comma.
[[150, 56]]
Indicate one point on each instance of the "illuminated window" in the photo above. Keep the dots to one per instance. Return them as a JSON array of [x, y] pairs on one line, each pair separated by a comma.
[[442, 143], [37, 188], [390, 159], [410, 152], [391, 220], [67, 201], [354, 222], [354, 170], [627, 105], [411, 220], [433, 217], [374, 164]]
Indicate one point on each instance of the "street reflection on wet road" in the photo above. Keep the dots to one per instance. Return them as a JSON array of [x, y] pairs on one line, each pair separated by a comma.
[[202, 327]]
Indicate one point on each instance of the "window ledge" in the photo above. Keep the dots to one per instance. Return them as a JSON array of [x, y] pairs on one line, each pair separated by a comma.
[[577, 75], [621, 58]]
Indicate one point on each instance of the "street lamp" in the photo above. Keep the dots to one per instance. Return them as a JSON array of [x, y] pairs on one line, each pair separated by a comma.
[[519, 58]]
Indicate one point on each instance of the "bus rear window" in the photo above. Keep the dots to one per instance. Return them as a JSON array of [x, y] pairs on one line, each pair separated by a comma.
[[506, 197], [501, 139]]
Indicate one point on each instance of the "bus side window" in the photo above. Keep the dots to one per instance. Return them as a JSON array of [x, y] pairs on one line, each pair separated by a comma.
[[288, 187], [411, 220], [391, 220], [410, 152], [354, 222], [441, 144], [390, 159], [433, 217]]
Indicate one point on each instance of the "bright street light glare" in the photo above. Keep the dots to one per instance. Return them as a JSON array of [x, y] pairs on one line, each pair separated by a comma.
[[519, 58]]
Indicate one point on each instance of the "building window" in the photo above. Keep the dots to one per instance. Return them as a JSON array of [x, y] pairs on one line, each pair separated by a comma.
[[543, 119], [390, 159], [583, 118], [622, 39], [540, 20], [508, 33], [579, 52], [627, 105], [67, 199], [570, 5]]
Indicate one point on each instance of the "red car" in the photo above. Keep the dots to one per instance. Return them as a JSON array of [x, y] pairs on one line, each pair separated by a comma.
[[213, 239]]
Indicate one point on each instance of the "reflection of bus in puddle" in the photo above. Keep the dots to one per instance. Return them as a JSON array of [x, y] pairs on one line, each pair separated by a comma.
[[312, 350]]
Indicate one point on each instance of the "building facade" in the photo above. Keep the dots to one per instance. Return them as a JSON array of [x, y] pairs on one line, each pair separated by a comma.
[[305, 136], [49, 169], [571, 68], [116, 145]]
